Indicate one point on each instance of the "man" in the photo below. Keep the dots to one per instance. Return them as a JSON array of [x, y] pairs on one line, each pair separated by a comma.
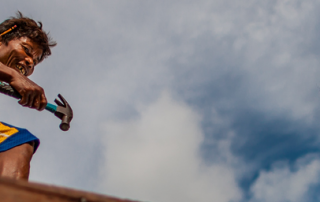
[[22, 47]]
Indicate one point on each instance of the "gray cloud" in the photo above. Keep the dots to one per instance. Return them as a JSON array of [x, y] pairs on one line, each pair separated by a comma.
[[286, 183]]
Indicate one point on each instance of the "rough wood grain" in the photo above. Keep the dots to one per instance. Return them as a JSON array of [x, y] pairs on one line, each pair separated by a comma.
[[22, 191]]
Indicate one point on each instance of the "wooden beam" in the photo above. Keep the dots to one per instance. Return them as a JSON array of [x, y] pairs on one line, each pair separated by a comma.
[[22, 191]]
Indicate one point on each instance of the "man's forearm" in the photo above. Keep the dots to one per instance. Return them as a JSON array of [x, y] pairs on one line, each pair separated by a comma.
[[6, 73]]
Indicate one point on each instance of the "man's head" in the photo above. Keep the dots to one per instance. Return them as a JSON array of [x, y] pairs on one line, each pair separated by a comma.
[[27, 38]]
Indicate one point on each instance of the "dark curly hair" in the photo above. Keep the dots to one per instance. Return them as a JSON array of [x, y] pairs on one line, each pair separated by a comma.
[[27, 27]]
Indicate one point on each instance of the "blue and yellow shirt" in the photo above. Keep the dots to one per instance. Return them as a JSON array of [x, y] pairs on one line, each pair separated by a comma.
[[11, 136]]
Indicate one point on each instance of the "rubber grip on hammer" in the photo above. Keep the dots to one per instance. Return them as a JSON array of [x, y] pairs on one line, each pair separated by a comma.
[[8, 90]]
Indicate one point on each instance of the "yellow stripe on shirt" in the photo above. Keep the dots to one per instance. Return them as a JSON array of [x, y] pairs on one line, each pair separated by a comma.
[[6, 131]]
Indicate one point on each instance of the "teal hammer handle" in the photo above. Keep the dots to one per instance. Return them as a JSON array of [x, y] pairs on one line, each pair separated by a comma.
[[51, 108]]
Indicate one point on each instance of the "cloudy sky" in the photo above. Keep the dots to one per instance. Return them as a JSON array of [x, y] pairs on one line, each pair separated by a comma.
[[179, 100]]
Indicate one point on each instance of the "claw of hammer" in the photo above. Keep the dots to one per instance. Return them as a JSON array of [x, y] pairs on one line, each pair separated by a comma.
[[63, 111]]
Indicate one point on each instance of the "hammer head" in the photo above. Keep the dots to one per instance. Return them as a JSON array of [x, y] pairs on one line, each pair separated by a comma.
[[63, 112]]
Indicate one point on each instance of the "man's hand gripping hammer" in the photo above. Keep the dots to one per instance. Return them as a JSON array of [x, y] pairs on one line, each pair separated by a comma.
[[63, 111]]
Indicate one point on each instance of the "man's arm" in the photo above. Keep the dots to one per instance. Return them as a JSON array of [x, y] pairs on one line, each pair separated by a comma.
[[32, 95]]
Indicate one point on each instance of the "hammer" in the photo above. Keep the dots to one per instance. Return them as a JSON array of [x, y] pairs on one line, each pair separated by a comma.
[[63, 111]]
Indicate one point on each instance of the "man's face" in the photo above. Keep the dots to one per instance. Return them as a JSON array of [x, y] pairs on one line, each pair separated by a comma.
[[21, 54]]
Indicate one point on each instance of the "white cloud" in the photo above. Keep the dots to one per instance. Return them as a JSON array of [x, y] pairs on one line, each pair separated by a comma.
[[155, 157], [283, 183]]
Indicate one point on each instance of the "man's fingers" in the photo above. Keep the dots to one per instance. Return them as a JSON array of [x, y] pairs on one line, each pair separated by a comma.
[[40, 102], [43, 102], [32, 95], [25, 98], [32, 100], [36, 103]]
